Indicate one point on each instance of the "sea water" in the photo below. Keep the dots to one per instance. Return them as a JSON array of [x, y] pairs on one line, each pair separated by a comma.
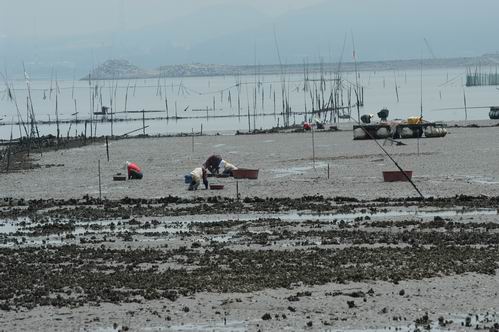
[[205, 97]]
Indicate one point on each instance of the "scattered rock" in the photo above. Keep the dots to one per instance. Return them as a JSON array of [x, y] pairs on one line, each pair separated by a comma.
[[267, 316]]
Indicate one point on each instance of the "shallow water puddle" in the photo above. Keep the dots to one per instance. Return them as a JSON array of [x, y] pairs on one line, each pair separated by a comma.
[[298, 170], [174, 225], [213, 326], [181, 224], [233, 325], [8, 227], [393, 213], [460, 322], [483, 180], [25, 235]]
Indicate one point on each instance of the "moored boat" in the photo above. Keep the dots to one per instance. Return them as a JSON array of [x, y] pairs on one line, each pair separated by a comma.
[[494, 113]]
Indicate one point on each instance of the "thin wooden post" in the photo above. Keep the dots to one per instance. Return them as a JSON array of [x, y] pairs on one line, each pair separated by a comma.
[[237, 190], [107, 149], [328, 171], [8, 150], [249, 119], [201, 129], [100, 190], [192, 135], [143, 122], [313, 145], [112, 131]]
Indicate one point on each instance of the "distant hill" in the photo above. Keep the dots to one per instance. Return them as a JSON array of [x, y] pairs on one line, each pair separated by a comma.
[[118, 69], [123, 69]]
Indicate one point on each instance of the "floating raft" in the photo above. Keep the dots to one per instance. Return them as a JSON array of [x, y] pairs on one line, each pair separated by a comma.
[[399, 130], [494, 113]]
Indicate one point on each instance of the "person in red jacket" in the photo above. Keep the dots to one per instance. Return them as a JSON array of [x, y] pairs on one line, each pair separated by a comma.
[[134, 171]]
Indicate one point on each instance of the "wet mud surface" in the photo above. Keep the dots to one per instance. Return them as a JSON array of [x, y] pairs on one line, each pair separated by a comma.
[[165, 253], [460, 163], [300, 250]]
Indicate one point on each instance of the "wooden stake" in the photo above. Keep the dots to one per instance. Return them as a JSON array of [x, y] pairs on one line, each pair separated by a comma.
[[465, 108], [143, 122], [112, 131], [8, 150], [100, 191], [313, 145], [237, 190], [107, 149], [192, 139]]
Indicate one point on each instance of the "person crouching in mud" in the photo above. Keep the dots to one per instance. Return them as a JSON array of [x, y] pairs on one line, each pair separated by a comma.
[[134, 171], [227, 167], [198, 174], [214, 163]]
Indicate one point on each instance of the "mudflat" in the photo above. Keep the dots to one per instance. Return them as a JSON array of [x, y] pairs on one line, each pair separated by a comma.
[[465, 161], [298, 250]]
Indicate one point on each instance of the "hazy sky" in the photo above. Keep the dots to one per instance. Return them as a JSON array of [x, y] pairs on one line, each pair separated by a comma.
[[150, 33], [78, 17]]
